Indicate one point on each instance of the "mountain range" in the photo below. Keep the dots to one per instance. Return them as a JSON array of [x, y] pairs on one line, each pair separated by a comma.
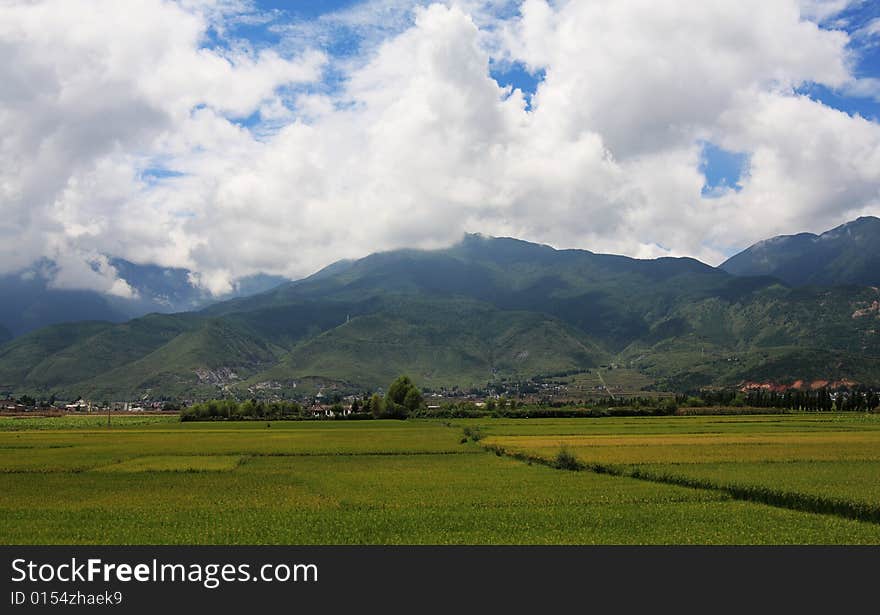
[[848, 254], [30, 301], [487, 310]]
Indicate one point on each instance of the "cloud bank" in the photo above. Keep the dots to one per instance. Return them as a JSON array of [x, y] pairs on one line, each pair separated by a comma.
[[155, 132]]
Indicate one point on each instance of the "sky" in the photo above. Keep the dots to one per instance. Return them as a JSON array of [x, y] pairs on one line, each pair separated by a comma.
[[232, 137]]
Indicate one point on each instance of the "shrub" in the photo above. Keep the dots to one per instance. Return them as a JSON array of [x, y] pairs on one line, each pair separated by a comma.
[[376, 405], [473, 433], [565, 460], [498, 450]]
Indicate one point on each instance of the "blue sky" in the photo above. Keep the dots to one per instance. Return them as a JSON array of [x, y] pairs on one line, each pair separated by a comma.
[[724, 169], [517, 76], [306, 9], [866, 57]]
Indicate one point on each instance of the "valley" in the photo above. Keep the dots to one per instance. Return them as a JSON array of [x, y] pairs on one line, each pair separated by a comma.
[[802, 478], [484, 313]]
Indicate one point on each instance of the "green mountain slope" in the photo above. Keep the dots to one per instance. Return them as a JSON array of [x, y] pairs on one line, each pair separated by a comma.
[[20, 356], [776, 334], [441, 343], [483, 310], [198, 362], [613, 299]]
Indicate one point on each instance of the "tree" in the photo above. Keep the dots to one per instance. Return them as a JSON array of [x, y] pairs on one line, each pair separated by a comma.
[[402, 398], [398, 390], [375, 405], [413, 400], [27, 400]]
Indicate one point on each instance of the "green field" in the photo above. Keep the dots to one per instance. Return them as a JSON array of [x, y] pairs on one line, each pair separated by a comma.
[[659, 480]]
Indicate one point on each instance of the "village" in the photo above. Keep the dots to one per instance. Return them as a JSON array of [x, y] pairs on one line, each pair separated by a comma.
[[330, 402], [582, 388], [28, 405]]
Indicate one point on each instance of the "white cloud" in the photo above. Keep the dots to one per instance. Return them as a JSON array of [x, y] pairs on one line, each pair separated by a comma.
[[417, 143], [89, 270], [647, 75], [812, 167], [823, 10], [867, 87], [91, 87]]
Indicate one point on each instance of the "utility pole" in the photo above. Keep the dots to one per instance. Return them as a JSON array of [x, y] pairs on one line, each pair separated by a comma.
[[109, 406]]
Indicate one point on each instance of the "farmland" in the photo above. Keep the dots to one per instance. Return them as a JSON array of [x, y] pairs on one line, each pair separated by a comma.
[[644, 480]]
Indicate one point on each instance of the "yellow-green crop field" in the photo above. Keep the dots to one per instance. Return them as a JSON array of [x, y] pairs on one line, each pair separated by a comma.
[[807, 478]]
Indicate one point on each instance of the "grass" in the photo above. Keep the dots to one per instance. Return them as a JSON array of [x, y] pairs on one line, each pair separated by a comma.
[[630, 426], [697, 440], [84, 449], [416, 482], [701, 448], [856, 483], [85, 421], [430, 499], [817, 463], [175, 463]]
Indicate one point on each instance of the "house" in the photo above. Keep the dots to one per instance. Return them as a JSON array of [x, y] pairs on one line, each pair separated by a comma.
[[78, 406], [11, 405]]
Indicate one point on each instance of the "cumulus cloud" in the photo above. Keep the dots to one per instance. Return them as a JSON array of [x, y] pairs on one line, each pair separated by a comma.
[[809, 165], [823, 10], [126, 130], [93, 91]]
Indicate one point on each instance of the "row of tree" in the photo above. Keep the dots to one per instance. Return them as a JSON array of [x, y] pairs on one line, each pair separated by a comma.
[[402, 399], [855, 400], [858, 399], [232, 410]]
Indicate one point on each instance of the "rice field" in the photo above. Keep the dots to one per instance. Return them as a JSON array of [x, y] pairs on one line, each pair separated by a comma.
[[85, 421], [822, 463], [669, 480]]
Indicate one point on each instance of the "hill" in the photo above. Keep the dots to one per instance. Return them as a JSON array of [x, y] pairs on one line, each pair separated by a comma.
[[848, 254], [31, 302], [441, 343], [484, 310], [28, 303], [5, 335]]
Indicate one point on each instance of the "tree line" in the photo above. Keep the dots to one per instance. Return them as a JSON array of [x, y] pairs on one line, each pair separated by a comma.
[[854, 400], [857, 399], [402, 400], [232, 410]]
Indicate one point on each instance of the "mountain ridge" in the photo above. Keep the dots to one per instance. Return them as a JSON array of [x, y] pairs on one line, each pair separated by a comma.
[[485, 310], [31, 302], [846, 254]]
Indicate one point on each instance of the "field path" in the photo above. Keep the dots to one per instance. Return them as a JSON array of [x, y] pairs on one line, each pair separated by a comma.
[[802, 502], [604, 384]]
